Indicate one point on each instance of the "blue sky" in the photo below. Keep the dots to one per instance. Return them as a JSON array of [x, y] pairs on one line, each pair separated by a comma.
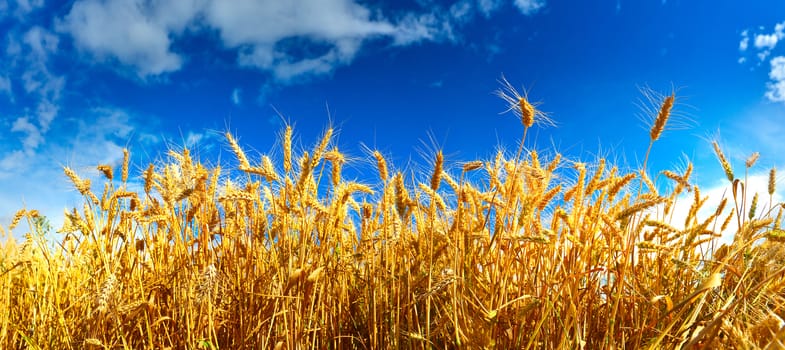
[[80, 80]]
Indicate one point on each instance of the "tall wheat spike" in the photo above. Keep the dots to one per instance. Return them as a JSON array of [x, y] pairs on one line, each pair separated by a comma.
[[723, 161], [662, 117]]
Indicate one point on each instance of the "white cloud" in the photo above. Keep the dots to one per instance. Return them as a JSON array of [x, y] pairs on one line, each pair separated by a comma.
[[777, 68], [423, 27], [745, 42], [326, 34], [193, 139], [38, 80], [29, 56], [529, 7], [136, 33], [339, 28], [487, 7], [766, 41], [5, 86], [775, 91], [246, 22], [462, 11], [25, 7], [33, 137], [40, 41], [236, 96]]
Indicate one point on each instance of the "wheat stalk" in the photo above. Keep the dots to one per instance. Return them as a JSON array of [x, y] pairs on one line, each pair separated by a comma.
[[287, 149], [106, 292], [381, 165], [752, 159], [772, 181], [106, 170], [238, 152], [126, 159], [723, 161], [662, 117], [436, 177], [17, 217]]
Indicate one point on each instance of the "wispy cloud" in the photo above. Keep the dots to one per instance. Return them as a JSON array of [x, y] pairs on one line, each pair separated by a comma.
[[32, 138], [775, 89], [529, 7], [5, 87], [38, 80], [488, 7], [22, 8], [236, 97], [193, 138], [37, 181], [28, 59]]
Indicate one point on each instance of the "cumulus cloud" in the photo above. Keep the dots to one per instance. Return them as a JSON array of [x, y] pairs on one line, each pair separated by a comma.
[[775, 91], [264, 33], [745, 41], [764, 42], [135, 33], [529, 7], [286, 38]]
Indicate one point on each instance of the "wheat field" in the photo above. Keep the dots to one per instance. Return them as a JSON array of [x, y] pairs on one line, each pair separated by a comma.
[[527, 250]]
